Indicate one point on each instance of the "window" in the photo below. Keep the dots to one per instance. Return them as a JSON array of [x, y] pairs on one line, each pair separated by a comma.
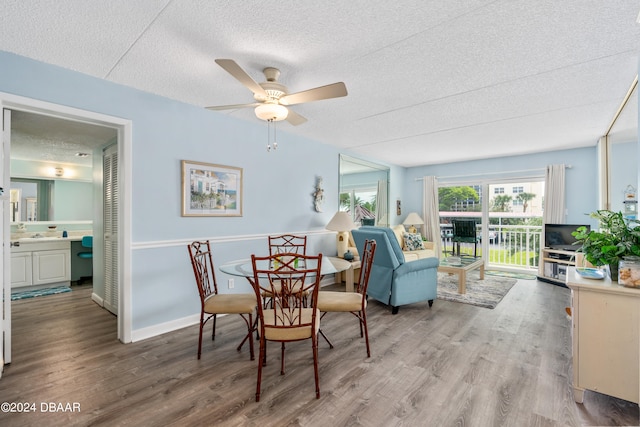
[[517, 202], [517, 190], [498, 190]]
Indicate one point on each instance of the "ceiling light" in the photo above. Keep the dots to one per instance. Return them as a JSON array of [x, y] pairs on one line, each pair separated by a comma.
[[58, 172], [82, 154], [273, 112]]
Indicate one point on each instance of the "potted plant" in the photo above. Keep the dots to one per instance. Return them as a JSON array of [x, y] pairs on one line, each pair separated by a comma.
[[616, 238]]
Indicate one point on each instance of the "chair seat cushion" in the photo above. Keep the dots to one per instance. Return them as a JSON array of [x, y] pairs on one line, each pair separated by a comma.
[[339, 301], [230, 303], [291, 333]]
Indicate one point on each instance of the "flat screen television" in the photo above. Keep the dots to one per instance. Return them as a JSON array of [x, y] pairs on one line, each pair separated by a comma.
[[558, 236]]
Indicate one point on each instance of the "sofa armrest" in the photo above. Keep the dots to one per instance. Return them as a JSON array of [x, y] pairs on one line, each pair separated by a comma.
[[419, 264]]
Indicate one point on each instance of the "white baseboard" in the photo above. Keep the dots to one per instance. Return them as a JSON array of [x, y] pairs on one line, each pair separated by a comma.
[[174, 325], [97, 299], [163, 328]]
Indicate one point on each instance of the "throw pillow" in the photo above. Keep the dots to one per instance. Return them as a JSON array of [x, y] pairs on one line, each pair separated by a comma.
[[412, 242]]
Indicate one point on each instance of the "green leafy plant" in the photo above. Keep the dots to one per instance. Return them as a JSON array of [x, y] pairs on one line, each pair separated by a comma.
[[617, 237]]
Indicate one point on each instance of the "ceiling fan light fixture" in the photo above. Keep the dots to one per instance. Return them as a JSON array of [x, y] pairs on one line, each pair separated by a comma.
[[275, 112]]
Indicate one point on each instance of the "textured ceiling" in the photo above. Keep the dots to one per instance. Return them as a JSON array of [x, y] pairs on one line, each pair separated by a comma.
[[429, 81], [49, 139]]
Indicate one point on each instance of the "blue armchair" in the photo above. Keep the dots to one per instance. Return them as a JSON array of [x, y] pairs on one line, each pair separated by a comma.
[[394, 281]]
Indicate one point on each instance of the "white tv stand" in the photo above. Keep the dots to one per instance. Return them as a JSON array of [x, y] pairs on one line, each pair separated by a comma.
[[553, 265]]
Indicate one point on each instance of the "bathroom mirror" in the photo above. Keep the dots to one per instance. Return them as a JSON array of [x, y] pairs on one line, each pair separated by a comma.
[[37, 200]]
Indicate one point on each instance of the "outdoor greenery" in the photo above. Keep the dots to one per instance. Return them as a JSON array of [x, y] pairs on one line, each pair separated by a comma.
[[525, 197], [503, 256], [617, 237], [457, 198], [345, 202], [501, 203]]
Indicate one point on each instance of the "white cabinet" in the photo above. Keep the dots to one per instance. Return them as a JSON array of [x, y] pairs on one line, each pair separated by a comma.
[[40, 263], [606, 345], [51, 266], [21, 269]]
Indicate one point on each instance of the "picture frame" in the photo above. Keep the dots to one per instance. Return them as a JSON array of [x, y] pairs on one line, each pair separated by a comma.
[[211, 190]]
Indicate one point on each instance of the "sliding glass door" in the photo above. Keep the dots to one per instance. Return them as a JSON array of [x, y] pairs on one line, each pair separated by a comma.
[[507, 217]]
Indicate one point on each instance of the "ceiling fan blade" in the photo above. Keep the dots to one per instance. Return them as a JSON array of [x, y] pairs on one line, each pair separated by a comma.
[[295, 118], [335, 90], [231, 67], [232, 107]]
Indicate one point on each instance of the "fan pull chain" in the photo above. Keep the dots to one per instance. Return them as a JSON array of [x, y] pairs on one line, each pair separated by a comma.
[[275, 142], [269, 135]]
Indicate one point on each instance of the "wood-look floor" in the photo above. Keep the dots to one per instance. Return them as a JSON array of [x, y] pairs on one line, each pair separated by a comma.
[[452, 364]]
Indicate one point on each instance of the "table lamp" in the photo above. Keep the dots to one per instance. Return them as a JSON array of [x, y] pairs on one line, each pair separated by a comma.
[[342, 223], [412, 220]]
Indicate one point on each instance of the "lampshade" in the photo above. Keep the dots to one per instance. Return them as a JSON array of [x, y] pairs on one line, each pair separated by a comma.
[[275, 112], [341, 221], [413, 219]]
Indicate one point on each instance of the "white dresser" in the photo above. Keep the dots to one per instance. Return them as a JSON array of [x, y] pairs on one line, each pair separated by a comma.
[[606, 345]]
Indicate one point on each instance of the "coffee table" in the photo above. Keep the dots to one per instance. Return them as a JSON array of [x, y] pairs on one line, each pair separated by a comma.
[[466, 264]]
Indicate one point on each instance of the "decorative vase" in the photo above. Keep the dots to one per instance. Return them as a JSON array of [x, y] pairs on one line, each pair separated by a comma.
[[348, 256]]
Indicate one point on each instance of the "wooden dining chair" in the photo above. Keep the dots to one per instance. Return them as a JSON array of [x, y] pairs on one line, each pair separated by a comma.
[[351, 302], [288, 243], [285, 243], [211, 302], [291, 279]]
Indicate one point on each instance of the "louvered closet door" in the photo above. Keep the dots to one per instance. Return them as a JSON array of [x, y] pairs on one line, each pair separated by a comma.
[[110, 179]]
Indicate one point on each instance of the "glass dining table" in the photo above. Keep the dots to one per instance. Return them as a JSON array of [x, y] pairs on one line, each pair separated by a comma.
[[330, 265]]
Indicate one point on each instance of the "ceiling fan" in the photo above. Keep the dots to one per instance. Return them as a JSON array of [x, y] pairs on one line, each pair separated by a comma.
[[272, 97]]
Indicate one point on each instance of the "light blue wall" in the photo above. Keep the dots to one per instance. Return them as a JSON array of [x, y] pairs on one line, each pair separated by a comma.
[[72, 200], [581, 179]]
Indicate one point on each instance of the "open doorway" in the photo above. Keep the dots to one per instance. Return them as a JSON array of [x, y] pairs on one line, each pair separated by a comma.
[[120, 135]]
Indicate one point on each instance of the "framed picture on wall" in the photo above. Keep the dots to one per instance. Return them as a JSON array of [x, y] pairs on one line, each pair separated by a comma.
[[211, 190]]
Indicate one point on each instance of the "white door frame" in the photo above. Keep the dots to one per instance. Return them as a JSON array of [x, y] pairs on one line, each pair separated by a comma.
[[5, 260], [124, 132]]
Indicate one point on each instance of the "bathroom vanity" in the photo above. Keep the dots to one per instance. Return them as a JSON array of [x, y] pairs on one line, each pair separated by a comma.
[[40, 261]]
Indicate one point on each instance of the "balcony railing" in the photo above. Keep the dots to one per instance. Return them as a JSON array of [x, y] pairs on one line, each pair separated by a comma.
[[515, 246]]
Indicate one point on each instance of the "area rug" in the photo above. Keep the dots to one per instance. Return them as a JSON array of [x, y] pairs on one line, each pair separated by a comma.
[[485, 293], [523, 276], [39, 292]]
